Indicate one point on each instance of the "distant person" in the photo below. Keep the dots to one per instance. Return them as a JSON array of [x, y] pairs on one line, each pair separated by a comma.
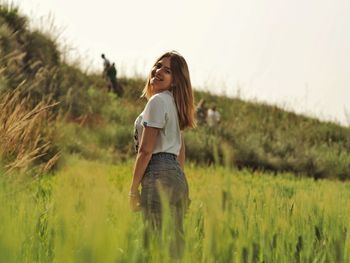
[[112, 76], [106, 65], [201, 112], [213, 117]]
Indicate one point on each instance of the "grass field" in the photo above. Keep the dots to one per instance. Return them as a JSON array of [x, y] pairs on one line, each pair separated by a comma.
[[53, 111], [81, 214]]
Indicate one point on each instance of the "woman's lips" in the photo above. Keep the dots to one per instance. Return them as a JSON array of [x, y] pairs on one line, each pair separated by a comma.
[[157, 78]]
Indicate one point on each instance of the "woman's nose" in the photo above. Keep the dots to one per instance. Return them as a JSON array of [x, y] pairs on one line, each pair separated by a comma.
[[159, 70]]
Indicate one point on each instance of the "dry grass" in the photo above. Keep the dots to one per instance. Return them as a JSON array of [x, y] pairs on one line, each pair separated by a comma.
[[25, 136]]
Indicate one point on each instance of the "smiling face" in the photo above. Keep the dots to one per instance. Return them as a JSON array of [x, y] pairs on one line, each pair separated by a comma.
[[161, 77], [170, 72]]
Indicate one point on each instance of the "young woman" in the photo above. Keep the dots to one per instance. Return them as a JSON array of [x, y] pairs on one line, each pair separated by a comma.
[[159, 165]]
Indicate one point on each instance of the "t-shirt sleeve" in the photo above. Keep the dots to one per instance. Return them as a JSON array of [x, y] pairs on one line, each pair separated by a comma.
[[155, 113]]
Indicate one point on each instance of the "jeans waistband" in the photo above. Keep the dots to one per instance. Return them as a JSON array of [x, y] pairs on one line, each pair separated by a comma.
[[164, 155]]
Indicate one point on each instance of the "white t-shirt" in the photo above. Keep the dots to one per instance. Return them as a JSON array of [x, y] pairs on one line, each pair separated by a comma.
[[160, 112]]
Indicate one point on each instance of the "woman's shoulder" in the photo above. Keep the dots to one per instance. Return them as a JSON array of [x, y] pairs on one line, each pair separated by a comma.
[[161, 97]]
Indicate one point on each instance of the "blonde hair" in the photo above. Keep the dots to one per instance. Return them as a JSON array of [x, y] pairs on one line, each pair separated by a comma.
[[181, 88]]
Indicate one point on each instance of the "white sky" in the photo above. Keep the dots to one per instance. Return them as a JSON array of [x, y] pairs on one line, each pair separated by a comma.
[[294, 53]]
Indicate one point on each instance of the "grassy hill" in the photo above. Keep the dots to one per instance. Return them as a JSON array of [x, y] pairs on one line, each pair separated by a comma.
[[52, 109]]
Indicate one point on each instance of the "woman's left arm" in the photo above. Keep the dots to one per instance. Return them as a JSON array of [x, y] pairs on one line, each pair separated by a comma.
[[148, 141]]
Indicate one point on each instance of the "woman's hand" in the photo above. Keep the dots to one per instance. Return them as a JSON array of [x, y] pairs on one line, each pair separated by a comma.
[[134, 201]]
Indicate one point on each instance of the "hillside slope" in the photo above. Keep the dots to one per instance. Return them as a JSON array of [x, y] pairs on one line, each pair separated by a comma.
[[96, 124]]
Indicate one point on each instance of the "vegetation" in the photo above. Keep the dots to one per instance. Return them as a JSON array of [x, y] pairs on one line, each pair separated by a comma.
[[26, 136], [251, 134], [65, 166], [235, 216]]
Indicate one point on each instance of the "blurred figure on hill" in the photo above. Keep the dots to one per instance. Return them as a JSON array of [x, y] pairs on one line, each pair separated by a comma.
[[201, 112], [213, 117], [160, 146], [106, 65], [112, 76]]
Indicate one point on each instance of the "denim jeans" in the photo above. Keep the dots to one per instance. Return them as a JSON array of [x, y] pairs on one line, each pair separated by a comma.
[[164, 178]]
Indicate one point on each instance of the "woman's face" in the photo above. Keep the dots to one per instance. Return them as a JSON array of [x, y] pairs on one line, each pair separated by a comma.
[[161, 78]]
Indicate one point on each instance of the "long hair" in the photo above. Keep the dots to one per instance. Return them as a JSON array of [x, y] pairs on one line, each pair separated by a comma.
[[181, 88]]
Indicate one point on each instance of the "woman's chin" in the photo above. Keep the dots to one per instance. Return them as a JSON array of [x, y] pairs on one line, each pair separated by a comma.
[[155, 89]]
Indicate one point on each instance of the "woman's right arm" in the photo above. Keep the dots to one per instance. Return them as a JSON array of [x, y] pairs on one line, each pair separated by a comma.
[[144, 155]]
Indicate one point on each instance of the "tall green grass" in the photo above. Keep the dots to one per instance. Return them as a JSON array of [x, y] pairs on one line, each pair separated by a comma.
[[82, 215]]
